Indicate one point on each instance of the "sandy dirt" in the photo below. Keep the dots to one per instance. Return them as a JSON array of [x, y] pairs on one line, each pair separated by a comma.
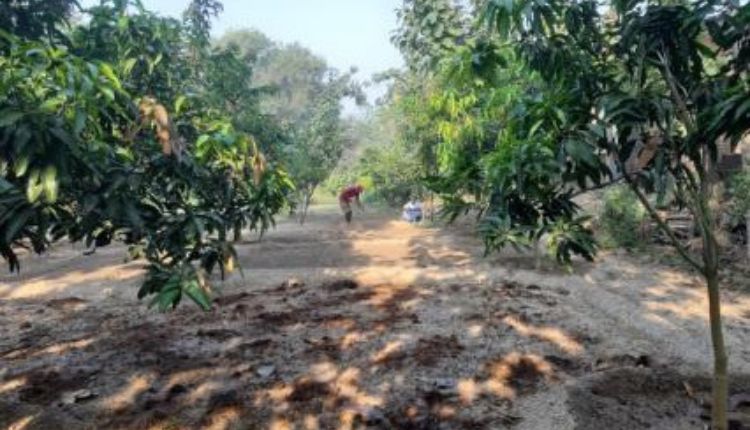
[[377, 325]]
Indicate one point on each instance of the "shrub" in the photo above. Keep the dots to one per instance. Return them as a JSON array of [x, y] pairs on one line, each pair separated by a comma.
[[621, 218]]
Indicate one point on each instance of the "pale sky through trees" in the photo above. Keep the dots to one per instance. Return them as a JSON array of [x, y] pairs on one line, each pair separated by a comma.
[[346, 32]]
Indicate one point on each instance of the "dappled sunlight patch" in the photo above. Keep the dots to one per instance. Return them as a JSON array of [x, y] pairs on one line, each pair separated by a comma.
[[276, 395], [347, 419], [44, 286], [23, 423], [223, 418], [311, 422], [279, 423], [516, 373], [324, 372], [391, 351], [446, 412], [128, 395], [324, 388], [340, 323], [204, 391], [681, 310], [12, 384], [689, 303], [187, 377], [499, 389], [549, 334], [475, 330], [64, 347], [468, 391], [351, 339], [53, 349], [347, 386]]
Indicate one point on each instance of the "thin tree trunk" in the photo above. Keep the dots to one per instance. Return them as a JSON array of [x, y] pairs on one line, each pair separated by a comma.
[[721, 378], [306, 198], [747, 234], [432, 206], [237, 231], [305, 204], [719, 419]]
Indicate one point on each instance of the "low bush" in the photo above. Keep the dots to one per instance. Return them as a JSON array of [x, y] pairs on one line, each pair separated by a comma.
[[621, 218]]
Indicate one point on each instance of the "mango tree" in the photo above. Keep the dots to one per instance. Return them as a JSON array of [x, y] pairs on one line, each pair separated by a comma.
[[99, 144], [653, 87]]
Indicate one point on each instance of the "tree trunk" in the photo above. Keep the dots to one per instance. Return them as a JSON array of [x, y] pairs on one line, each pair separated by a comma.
[[304, 202], [747, 234], [721, 379], [306, 198], [237, 231], [719, 419], [432, 206]]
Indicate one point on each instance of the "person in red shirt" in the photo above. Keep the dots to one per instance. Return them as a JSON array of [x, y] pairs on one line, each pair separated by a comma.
[[347, 195]]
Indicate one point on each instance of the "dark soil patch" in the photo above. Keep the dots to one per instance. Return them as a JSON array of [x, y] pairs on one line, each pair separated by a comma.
[[565, 364], [325, 346], [218, 334], [281, 319], [44, 387], [429, 351], [224, 399], [643, 398], [341, 285], [525, 374], [305, 390]]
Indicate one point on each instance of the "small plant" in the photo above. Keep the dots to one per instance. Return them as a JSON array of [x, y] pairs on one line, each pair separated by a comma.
[[739, 209], [621, 218], [739, 188]]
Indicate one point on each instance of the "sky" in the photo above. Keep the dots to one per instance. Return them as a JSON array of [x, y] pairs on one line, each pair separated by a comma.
[[345, 32]]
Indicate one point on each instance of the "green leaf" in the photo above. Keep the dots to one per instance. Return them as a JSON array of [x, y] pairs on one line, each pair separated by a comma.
[[179, 103], [50, 183], [107, 71], [742, 110], [535, 127], [9, 116], [21, 166], [80, 121], [34, 188], [198, 294], [17, 222], [108, 93], [128, 65], [62, 135]]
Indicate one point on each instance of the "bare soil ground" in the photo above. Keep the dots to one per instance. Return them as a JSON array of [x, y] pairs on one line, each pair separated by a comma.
[[380, 324]]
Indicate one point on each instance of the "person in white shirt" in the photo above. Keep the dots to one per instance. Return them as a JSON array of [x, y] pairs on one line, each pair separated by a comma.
[[412, 211]]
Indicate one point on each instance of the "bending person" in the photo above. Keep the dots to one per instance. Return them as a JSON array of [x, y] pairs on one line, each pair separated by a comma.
[[349, 194]]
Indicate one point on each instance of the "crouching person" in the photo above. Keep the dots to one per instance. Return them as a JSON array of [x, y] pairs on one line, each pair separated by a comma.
[[413, 211]]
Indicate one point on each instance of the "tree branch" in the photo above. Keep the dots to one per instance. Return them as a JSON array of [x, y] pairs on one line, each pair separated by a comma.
[[655, 216], [664, 227], [598, 187]]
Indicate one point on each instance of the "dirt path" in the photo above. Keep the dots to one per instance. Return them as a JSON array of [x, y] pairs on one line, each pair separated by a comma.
[[383, 324]]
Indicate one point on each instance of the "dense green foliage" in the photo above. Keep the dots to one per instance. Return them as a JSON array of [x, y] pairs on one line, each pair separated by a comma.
[[387, 166], [739, 191], [550, 98], [621, 218], [304, 94], [138, 132]]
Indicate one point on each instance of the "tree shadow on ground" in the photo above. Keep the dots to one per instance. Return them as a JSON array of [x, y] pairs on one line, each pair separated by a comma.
[[360, 341]]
